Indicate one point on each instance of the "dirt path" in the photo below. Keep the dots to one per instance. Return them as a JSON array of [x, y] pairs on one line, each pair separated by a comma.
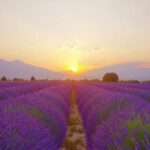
[[75, 139]]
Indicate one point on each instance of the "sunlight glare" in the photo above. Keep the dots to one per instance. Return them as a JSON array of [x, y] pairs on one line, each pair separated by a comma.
[[74, 69]]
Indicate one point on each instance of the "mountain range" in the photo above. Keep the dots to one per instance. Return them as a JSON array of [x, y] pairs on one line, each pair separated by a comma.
[[19, 69], [126, 71]]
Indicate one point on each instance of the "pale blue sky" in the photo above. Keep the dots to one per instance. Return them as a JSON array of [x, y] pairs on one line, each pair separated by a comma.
[[58, 34]]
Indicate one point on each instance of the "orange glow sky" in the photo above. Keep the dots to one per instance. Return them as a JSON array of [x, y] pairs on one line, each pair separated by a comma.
[[59, 34]]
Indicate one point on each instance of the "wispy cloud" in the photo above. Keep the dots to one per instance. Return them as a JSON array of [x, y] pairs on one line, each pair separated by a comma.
[[144, 65]]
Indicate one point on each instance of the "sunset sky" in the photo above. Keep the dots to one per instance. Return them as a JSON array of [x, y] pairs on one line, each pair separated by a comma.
[[60, 34]]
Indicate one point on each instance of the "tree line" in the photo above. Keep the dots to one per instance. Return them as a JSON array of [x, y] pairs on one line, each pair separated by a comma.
[[108, 77], [4, 78]]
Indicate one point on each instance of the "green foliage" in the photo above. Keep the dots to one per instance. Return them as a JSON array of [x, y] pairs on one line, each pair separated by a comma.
[[129, 142], [3, 78], [33, 78], [136, 129], [110, 77]]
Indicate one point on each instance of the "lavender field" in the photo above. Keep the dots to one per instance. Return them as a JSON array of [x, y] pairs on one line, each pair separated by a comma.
[[115, 116], [33, 115], [74, 74], [46, 116]]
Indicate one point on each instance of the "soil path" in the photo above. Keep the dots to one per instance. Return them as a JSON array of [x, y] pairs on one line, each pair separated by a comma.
[[75, 139]]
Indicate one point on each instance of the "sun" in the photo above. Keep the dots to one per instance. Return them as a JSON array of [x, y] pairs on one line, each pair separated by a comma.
[[74, 69]]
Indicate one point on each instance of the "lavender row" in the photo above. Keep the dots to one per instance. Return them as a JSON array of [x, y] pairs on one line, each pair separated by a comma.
[[142, 90], [35, 121], [22, 89], [11, 84], [114, 120], [144, 86]]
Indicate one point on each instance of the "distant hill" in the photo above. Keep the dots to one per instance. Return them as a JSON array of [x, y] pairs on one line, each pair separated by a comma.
[[126, 71], [20, 69]]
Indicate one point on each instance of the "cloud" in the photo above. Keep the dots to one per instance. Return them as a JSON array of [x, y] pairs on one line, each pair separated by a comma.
[[144, 65], [82, 46]]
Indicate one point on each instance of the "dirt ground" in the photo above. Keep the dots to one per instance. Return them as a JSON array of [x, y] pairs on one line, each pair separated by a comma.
[[75, 139]]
